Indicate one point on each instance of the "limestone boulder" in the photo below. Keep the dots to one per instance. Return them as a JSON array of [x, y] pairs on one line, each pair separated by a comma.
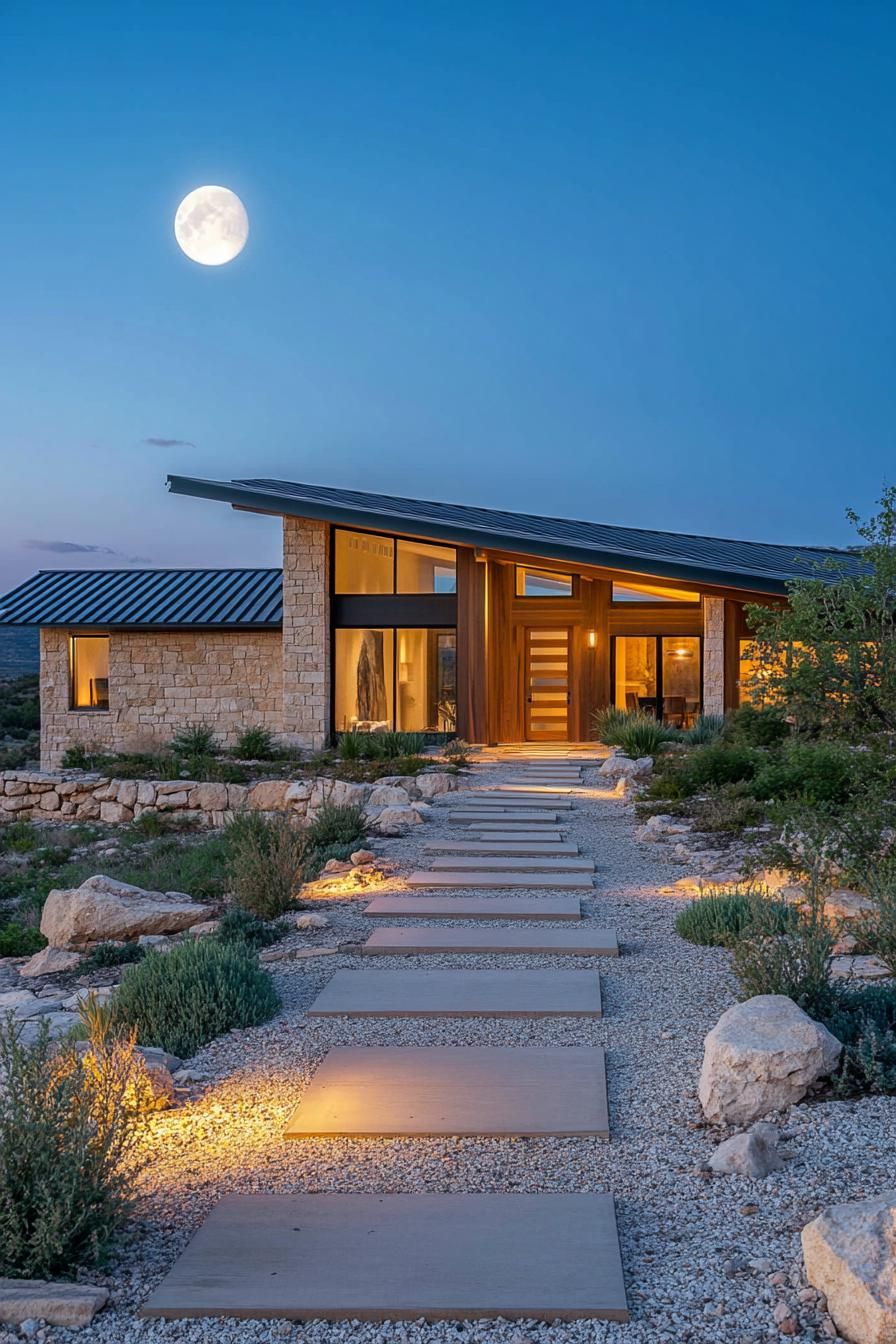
[[762, 1055], [209, 797], [850, 1255], [432, 785], [103, 908], [49, 961], [395, 820], [268, 795], [337, 791], [388, 795], [71, 1305], [623, 767], [753, 1154], [298, 793]]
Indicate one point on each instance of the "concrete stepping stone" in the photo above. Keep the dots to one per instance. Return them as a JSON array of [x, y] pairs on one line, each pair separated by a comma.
[[502, 863], [496, 814], [459, 994], [507, 800], [542, 848], [479, 878], [507, 831], [391, 1091], [349, 1257], [474, 907], [579, 942]]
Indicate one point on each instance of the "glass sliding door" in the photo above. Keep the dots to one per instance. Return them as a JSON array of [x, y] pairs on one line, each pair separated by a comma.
[[363, 680], [426, 682], [395, 678], [660, 675]]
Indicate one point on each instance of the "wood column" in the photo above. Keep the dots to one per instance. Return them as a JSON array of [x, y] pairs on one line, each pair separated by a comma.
[[472, 652]]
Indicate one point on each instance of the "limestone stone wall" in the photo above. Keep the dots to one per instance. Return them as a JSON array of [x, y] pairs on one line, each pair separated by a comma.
[[160, 681], [306, 632], [713, 655], [391, 805]]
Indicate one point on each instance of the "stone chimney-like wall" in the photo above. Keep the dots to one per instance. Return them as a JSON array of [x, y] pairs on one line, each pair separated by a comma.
[[713, 655], [306, 632]]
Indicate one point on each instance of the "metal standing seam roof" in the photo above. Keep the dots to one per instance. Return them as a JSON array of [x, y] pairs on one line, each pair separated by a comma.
[[147, 597], [751, 565]]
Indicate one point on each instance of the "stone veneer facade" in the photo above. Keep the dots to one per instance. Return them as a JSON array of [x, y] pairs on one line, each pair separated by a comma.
[[306, 632], [713, 655], [161, 681]]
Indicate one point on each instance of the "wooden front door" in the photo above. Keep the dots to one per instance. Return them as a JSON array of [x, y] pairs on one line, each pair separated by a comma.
[[546, 686]]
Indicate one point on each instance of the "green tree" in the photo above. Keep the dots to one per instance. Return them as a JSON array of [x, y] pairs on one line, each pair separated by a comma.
[[829, 655]]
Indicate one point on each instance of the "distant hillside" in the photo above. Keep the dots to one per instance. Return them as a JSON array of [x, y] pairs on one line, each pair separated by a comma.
[[19, 650]]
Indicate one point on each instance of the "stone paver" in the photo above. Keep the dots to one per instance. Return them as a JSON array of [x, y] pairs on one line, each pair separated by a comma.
[[477, 878], [474, 907], [544, 848], [381, 1091], [513, 831], [400, 1257], [507, 801], [461, 993], [577, 942], [502, 863], [466, 817]]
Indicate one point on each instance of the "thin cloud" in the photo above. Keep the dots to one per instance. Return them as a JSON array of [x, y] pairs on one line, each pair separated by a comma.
[[79, 548], [170, 443]]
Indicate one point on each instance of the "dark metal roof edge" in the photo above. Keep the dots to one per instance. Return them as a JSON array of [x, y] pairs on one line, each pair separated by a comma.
[[247, 497]]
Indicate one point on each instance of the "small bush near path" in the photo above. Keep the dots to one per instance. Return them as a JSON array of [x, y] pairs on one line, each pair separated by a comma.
[[68, 1129], [863, 1018], [241, 926], [197, 739], [706, 728], [337, 830], [266, 858], [203, 987], [719, 918], [796, 963], [255, 744], [876, 930], [20, 940], [103, 955]]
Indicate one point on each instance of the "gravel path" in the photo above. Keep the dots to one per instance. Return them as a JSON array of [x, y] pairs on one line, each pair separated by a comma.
[[706, 1258]]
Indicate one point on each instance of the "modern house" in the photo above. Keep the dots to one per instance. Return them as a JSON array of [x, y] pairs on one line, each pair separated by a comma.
[[401, 613]]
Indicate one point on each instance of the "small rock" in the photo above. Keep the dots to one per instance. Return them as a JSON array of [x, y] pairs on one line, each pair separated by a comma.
[[361, 856], [27, 1302], [50, 961], [850, 1255], [310, 921], [335, 868], [754, 1153]]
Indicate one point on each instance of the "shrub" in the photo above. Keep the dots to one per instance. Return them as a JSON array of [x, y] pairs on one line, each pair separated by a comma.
[[877, 929], [457, 752], [727, 810], [68, 1125], [182, 999], [266, 856], [720, 918], [17, 940], [717, 764], [102, 955], [196, 740], [394, 745], [643, 735], [608, 723], [864, 1019], [796, 963], [819, 772], [752, 727], [351, 747], [241, 926], [76, 758], [198, 868], [19, 837], [706, 728], [256, 744], [337, 824]]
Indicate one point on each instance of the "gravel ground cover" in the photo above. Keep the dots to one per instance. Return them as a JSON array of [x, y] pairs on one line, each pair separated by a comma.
[[707, 1258]]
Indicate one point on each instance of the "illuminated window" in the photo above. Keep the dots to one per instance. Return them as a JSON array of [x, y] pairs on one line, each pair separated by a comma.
[[542, 583], [405, 679], [651, 592], [365, 563], [426, 568], [760, 671], [89, 671]]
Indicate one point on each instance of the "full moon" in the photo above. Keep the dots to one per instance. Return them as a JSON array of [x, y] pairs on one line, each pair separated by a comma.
[[211, 225]]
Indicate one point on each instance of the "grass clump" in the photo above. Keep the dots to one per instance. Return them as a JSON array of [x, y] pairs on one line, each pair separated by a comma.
[[256, 744], [197, 739], [796, 963], [20, 940], [720, 918], [705, 729], [337, 830], [387, 746], [877, 929], [103, 955], [265, 862], [241, 926], [19, 837], [68, 1158], [182, 999], [637, 733]]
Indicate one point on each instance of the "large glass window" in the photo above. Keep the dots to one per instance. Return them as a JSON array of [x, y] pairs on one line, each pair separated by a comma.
[[363, 675], [651, 592], [425, 568], [405, 679], [89, 671], [636, 673], [542, 583], [365, 563], [659, 675], [681, 680]]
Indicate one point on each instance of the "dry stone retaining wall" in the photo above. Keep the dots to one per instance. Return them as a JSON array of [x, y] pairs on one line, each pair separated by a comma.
[[391, 804]]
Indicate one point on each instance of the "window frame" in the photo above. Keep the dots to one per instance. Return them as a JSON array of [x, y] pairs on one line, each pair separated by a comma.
[[396, 539], [394, 629], [571, 596], [73, 706]]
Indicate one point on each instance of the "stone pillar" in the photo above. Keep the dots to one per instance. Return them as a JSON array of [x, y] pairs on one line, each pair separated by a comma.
[[306, 632], [713, 655]]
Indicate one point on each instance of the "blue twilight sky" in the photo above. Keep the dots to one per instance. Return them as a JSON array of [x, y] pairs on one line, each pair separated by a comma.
[[629, 261]]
